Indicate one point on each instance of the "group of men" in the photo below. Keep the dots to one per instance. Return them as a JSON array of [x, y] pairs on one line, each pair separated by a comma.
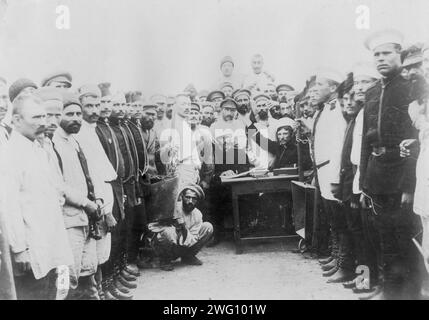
[[79, 167]]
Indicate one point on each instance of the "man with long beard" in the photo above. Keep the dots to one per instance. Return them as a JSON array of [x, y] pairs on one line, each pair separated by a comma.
[[242, 97], [418, 112], [207, 114]]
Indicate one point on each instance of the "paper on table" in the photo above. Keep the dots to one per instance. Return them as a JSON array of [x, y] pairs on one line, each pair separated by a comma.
[[238, 175]]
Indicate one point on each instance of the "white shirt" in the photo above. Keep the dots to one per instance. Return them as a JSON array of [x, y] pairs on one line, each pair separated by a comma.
[[356, 150], [32, 206], [258, 82], [328, 144], [99, 166]]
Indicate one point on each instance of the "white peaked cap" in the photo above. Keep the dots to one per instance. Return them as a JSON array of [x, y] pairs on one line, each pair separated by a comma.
[[382, 37], [330, 74]]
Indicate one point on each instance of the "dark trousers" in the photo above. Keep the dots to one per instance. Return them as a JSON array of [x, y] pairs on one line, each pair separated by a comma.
[[28, 288], [136, 222], [371, 238], [336, 215], [321, 222], [396, 227], [117, 252]]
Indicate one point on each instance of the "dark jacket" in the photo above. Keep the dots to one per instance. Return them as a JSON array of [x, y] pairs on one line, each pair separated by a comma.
[[111, 147], [348, 170], [388, 173], [285, 156], [129, 155]]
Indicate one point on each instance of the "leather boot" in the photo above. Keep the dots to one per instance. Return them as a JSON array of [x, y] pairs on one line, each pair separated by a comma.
[[121, 287], [345, 261], [116, 293], [326, 260], [128, 284], [342, 275], [133, 270], [166, 265], [334, 249], [88, 287], [330, 272], [329, 265], [106, 285], [127, 276]]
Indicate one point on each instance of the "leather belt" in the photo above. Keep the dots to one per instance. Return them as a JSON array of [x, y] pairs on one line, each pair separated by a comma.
[[379, 151]]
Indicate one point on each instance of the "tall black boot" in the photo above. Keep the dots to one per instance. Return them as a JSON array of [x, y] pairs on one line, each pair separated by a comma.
[[345, 260], [332, 260]]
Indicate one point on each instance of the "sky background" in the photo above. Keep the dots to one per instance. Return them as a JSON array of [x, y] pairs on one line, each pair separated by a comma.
[[162, 45]]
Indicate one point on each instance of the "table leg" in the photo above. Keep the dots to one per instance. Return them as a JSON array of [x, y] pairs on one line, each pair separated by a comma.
[[236, 212]]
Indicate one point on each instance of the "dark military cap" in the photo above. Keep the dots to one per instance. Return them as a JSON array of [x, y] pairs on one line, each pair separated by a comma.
[[215, 94], [284, 87], [228, 101]]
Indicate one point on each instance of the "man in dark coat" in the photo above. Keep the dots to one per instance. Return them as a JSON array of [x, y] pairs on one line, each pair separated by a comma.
[[114, 289], [387, 180]]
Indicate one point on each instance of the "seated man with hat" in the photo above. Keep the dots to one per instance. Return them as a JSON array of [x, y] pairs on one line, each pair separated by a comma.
[[186, 234]]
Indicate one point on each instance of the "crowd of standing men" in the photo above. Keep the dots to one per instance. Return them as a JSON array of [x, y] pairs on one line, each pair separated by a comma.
[[78, 168]]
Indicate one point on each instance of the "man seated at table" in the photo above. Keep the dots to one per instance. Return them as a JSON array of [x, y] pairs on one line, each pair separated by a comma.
[[286, 149], [185, 236], [278, 206]]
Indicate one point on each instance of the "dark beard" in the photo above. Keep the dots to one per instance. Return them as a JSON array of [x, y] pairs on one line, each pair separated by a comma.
[[275, 115], [263, 115], [147, 125], [188, 207], [206, 122], [242, 109]]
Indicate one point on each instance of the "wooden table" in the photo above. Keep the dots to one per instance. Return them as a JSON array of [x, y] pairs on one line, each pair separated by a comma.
[[254, 185]]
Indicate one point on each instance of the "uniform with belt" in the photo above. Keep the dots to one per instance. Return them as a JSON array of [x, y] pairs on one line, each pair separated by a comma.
[[385, 176]]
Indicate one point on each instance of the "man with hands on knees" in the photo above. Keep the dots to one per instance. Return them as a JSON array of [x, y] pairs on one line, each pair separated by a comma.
[[185, 234]]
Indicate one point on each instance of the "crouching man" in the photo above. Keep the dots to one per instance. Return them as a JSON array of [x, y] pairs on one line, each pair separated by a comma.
[[186, 235]]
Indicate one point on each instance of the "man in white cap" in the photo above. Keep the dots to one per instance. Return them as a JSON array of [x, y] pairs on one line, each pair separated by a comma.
[[386, 179], [364, 75], [31, 205], [101, 171], [327, 138], [187, 234]]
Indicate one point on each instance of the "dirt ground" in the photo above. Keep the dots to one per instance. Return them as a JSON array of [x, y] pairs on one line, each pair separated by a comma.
[[263, 271]]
